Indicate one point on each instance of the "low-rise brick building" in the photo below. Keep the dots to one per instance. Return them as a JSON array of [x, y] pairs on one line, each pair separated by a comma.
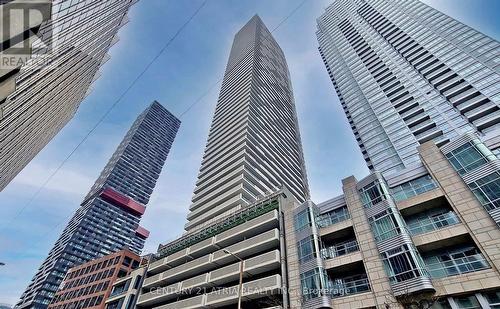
[[89, 285]]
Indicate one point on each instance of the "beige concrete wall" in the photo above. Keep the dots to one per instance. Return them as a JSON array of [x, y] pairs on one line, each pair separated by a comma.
[[381, 289], [292, 256], [476, 220]]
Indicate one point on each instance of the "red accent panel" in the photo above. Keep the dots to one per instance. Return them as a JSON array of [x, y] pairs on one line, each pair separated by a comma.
[[118, 199], [142, 232]]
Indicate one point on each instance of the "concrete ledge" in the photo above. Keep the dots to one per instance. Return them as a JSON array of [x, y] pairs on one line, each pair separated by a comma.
[[434, 239], [342, 260], [467, 283], [335, 227], [419, 199]]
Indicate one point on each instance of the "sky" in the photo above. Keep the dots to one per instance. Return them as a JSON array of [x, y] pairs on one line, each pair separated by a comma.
[[194, 61]]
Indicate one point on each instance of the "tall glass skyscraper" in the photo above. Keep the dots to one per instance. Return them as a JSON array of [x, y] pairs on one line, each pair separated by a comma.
[[253, 149], [108, 218], [405, 74], [73, 45], [254, 142], [421, 93]]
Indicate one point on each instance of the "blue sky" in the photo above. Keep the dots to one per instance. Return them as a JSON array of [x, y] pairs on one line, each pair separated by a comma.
[[193, 62]]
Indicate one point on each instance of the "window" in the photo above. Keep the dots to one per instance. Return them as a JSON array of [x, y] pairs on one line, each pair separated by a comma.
[[414, 187], [99, 300], [137, 282], [113, 305], [127, 261], [493, 299], [487, 191], [130, 303], [466, 158], [311, 283], [400, 264], [384, 225], [372, 194], [306, 249], [441, 304], [302, 220], [333, 216], [467, 302]]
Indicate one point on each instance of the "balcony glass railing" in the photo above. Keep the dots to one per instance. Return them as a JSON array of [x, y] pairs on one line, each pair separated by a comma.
[[427, 224], [413, 188], [348, 286], [333, 217], [339, 249], [449, 266]]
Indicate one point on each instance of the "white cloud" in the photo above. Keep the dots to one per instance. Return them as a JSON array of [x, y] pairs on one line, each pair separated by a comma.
[[66, 180]]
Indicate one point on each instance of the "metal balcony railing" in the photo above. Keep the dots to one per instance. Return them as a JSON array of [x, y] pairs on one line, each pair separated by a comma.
[[339, 249], [457, 266], [424, 225], [333, 217], [348, 286]]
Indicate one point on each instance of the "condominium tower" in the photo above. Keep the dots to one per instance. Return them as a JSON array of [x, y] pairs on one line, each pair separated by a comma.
[[71, 48], [405, 74], [108, 218], [420, 91], [253, 167], [254, 143], [16, 38]]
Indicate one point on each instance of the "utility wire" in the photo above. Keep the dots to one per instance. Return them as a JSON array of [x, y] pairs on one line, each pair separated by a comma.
[[199, 99]]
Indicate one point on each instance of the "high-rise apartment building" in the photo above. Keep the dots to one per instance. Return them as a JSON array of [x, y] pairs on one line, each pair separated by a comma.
[[16, 38], [254, 142], [236, 218], [405, 74], [108, 218], [420, 91], [425, 242], [66, 59]]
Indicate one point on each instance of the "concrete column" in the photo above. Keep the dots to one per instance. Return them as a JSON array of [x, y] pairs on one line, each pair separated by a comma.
[[478, 222], [292, 257], [379, 282]]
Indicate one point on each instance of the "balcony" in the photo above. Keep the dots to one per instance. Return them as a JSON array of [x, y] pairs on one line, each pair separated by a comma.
[[347, 280], [219, 277], [251, 290], [332, 217], [454, 260], [457, 266], [348, 285], [339, 249], [233, 235], [249, 247], [430, 222]]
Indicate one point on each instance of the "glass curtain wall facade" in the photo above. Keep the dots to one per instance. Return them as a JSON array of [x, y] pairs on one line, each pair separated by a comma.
[[405, 74], [73, 45]]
